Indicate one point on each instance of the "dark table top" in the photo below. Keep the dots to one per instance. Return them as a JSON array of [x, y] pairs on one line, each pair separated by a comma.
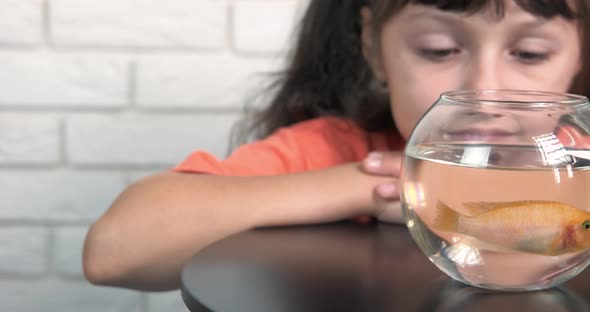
[[346, 267]]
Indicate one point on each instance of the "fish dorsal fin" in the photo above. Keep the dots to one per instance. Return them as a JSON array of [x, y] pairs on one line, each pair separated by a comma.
[[477, 208]]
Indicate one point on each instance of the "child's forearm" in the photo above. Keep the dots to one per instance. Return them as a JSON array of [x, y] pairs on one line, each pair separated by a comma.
[[157, 224]]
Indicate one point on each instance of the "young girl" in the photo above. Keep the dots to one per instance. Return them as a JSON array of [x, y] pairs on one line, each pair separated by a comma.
[[329, 148]]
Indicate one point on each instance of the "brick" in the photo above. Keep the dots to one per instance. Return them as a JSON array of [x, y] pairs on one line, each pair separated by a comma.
[[67, 253], [21, 22], [168, 301], [29, 140], [264, 26], [65, 296], [205, 81], [55, 80], [139, 23], [22, 250], [145, 141], [57, 195]]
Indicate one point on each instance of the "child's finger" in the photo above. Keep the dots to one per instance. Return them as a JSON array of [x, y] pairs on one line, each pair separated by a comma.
[[388, 190], [383, 163], [392, 212]]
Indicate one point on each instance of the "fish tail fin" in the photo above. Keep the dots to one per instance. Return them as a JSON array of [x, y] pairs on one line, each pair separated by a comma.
[[446, 219]]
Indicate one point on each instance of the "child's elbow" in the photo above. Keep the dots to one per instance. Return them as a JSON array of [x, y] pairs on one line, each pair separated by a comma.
[[101, 265]]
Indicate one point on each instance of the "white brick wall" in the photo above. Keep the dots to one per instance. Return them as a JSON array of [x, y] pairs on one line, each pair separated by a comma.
[[49, 80], [22, 250], [29, 140], [65, 296], [97, 94], [169, 82], [57, 195], [252, 18], [67, 250], [171, 24], [146, 140], [20, 22]]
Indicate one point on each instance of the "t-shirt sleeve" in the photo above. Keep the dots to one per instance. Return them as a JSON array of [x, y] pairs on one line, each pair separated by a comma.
[[309, 145]]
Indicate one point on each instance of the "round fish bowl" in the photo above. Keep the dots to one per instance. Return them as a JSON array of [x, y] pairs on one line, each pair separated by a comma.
[[495, 187]]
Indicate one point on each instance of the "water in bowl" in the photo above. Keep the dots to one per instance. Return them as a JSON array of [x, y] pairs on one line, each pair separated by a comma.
[[459, 176]]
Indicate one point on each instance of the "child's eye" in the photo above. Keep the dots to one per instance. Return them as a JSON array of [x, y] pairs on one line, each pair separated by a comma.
[[438, 55], [529, 57]]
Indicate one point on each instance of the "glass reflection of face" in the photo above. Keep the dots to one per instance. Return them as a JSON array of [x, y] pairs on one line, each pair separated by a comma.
[[498, 116], [425, 51]]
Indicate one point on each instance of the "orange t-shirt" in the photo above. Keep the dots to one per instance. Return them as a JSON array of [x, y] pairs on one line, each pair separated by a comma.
[[309, 145]]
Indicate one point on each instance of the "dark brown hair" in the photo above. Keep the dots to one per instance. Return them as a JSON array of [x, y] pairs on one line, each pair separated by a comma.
[[327, 73]]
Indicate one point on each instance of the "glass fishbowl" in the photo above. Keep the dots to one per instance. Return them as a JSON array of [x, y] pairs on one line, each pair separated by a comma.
[[495, 187]]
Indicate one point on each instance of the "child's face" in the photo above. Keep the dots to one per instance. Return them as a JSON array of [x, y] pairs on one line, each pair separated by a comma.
[[425, 51]]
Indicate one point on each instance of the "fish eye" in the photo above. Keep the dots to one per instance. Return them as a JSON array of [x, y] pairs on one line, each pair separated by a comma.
[[586, 225]]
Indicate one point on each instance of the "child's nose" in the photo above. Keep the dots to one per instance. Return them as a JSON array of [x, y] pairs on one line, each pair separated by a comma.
[[483, 74]]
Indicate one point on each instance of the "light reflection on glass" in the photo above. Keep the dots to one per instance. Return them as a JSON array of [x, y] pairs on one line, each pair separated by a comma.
[[551, 150], [557, 175], [476, 156], [415, 194], [464, 255]]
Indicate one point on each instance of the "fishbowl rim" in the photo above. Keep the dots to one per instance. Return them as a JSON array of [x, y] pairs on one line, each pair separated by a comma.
[[554, 99]]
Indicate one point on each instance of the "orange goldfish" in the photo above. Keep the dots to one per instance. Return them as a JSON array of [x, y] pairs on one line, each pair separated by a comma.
[[541, 227]]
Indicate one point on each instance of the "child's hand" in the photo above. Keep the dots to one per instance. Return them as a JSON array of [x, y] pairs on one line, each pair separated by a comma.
[[387, 193], [385, 164]]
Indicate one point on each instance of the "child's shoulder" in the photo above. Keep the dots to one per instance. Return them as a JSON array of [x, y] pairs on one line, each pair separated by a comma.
[[340, 135], [345, 130]]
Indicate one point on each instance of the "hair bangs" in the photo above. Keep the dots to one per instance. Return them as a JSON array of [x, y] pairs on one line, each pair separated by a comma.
[[543, 8]]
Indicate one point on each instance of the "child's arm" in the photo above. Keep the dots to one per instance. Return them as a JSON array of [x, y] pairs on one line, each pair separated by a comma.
[[157, 224]]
